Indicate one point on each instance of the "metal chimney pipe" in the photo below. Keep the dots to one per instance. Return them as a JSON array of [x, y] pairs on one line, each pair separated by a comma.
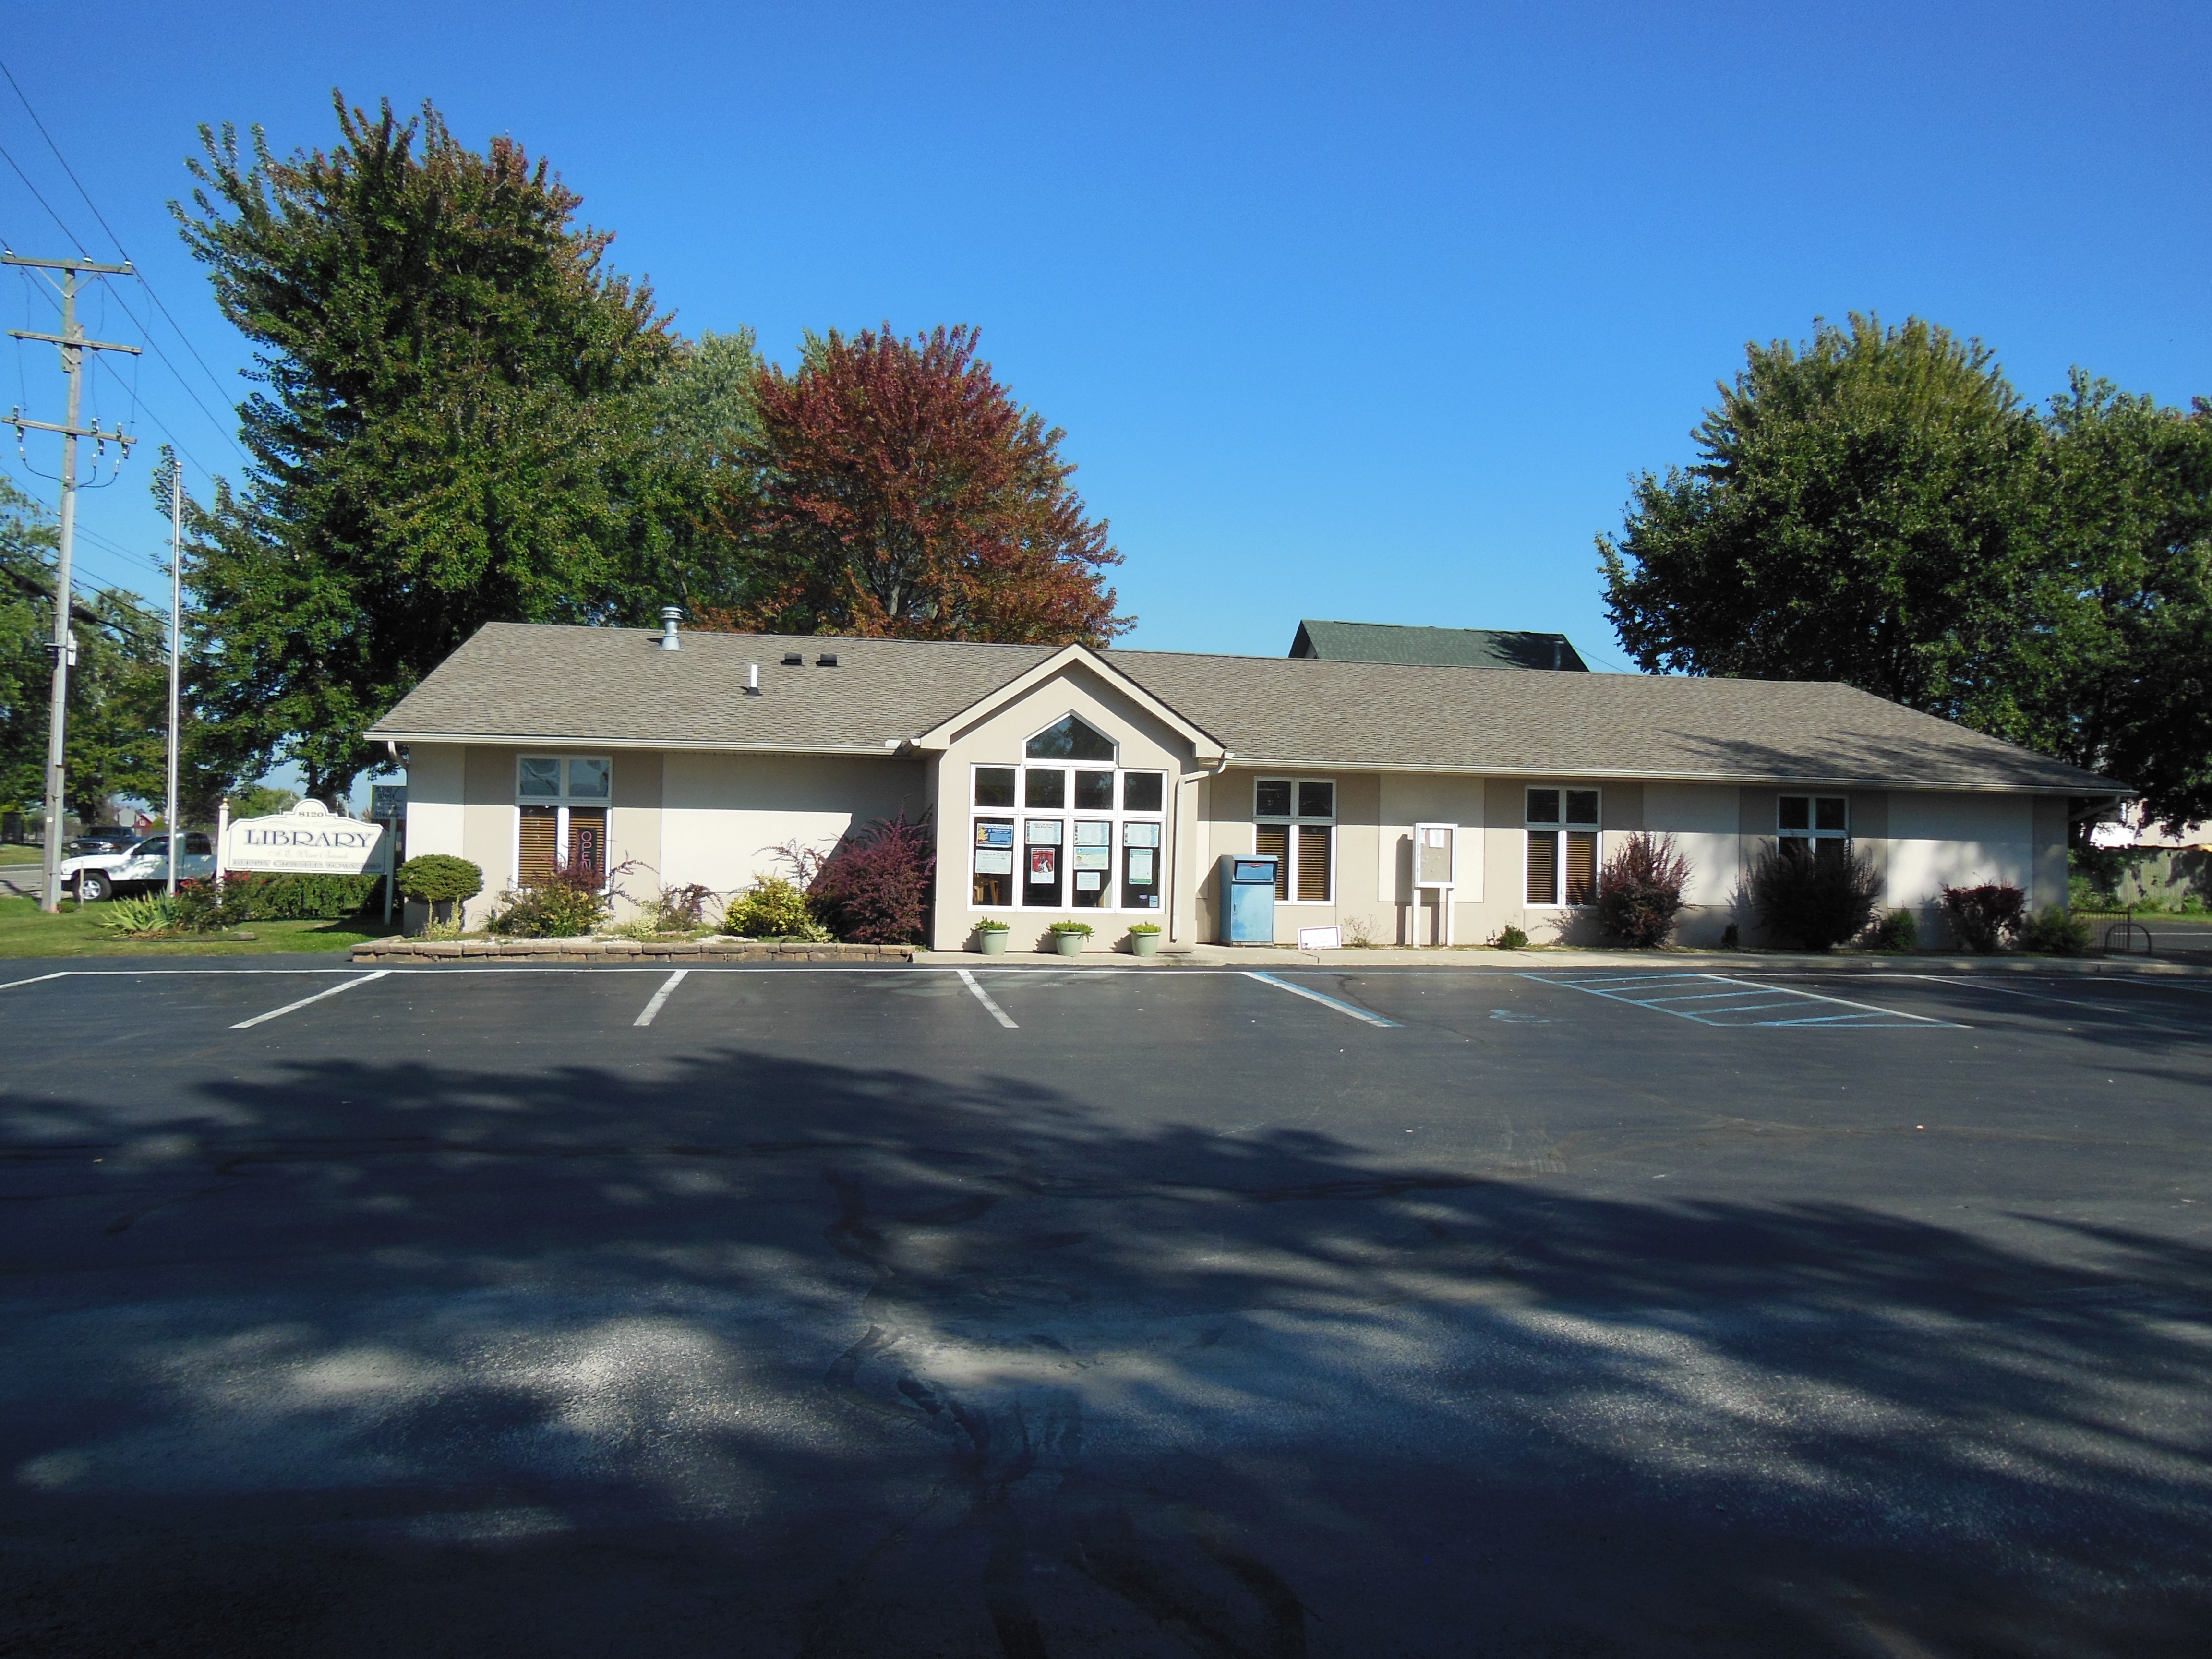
[[752, 679], [670, 616]]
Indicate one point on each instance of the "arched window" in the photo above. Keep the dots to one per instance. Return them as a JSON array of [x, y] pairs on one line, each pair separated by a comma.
[[1071, 739]]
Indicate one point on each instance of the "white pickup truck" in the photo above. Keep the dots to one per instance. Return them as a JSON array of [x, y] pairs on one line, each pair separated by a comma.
[[99, 876]]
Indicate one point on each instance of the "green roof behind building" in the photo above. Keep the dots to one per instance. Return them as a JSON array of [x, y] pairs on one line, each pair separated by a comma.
[[1436, 647]]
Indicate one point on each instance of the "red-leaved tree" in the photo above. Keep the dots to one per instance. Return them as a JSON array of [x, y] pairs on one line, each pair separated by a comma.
[[903, 493]]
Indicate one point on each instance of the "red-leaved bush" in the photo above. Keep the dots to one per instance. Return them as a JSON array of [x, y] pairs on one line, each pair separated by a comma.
[[1639, 891], [873, 888], [1983, 916]]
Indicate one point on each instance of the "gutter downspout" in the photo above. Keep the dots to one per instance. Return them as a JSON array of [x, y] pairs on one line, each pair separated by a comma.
[[1175, 888]]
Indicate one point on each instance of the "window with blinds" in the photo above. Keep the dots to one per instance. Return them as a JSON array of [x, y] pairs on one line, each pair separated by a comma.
[[1294, 823], [1563, 849], [540, 835], [560, 803]]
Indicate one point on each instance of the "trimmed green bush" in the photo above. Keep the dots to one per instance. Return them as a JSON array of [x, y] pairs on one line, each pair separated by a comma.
[[1898, 930], [1509, 937], [772, 908], [2056, 932], [202, 907], [439, 878]]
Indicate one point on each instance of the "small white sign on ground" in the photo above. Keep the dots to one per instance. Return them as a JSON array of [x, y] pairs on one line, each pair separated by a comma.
[[1321, 938]]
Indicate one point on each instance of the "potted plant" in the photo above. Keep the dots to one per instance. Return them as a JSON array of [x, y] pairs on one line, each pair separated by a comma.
[[1144, 939], [991, 937], [1067, 936]]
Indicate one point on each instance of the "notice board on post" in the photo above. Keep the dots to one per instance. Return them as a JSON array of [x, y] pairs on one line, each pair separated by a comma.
[[1436, 854]]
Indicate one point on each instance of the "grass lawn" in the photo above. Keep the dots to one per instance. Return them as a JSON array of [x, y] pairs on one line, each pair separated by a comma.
[[13, 852], [24, 931]]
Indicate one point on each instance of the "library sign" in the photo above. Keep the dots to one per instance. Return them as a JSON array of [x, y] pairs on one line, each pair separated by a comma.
[[309, 839]]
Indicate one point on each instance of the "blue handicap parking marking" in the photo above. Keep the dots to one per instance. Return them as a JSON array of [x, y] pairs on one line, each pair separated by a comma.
[[1717, 999]]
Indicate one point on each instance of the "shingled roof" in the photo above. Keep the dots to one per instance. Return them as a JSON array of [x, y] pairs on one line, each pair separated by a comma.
[[1439, 647], [518, 684]]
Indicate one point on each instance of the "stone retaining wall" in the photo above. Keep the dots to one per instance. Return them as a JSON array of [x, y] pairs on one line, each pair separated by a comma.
[[624, 950]]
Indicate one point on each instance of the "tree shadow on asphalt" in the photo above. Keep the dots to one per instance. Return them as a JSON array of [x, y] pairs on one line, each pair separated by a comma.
[[755, 1355]]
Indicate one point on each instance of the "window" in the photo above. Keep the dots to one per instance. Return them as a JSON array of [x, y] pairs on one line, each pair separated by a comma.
[[1820, 824], [1295, 825], [1563, 832], [1087, 834], [563, 815]]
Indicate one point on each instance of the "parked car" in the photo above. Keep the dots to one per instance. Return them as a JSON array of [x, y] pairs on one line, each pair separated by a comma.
[[102, 838], [143, 865]]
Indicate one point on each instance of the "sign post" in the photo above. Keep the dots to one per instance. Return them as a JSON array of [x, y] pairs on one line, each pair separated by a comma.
[[1436, 865], [387, 804]]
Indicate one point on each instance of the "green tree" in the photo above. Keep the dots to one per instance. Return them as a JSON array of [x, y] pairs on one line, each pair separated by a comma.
[[119, 691], [447, 432], [2118, 677], [1859, 511]]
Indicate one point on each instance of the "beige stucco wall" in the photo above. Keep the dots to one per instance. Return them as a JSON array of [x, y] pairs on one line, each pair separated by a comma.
[[723, 817], [998, 738]]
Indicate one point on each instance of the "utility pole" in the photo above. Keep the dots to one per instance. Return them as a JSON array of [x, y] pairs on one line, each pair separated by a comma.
[[176, 637], [74, 345]]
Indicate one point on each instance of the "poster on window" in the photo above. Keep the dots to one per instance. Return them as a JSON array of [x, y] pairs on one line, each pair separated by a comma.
[[1094, 858], [994, 835], [1140, 867], [1044, 864], [1090, 881], [995, 861]]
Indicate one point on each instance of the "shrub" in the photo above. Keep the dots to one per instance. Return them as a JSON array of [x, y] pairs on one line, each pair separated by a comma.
[[1509, 937], [1732, 938], [993, 924], [1818, 899], [772, 908], [2056, 932], [202, 907], [295, 897], [1639, 891], [569, 903], [438, 878], [1982, 916], [207, 907], [1144, 927], [873, 888], [1898, 930], [1080, 929], [676, 909], [141, 917]]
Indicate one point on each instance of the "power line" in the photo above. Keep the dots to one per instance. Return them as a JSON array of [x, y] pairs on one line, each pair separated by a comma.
[[41, 200], [213, 379]]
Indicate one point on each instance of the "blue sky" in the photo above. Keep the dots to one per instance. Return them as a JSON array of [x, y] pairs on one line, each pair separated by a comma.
[[1355, 312]]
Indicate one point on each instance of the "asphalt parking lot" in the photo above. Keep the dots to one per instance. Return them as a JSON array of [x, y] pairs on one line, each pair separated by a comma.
[[1030, 1311]]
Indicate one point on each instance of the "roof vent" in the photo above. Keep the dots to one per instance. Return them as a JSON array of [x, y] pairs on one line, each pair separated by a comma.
[[794, 659], [670, 616], [752, 679], [827, 660]]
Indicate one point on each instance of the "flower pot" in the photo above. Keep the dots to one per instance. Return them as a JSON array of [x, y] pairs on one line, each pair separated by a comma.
[[1068, 944], [1144, 945], [991, 941]]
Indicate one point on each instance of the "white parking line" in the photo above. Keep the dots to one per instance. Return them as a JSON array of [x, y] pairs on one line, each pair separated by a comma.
[[1633, 989], [38, 980], [984, 997], [2139, 1014], [335, 990], [1341, 1006], [660, 997]]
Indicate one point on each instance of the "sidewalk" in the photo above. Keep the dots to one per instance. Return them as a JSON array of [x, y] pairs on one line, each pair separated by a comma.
[[1541, 960]]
